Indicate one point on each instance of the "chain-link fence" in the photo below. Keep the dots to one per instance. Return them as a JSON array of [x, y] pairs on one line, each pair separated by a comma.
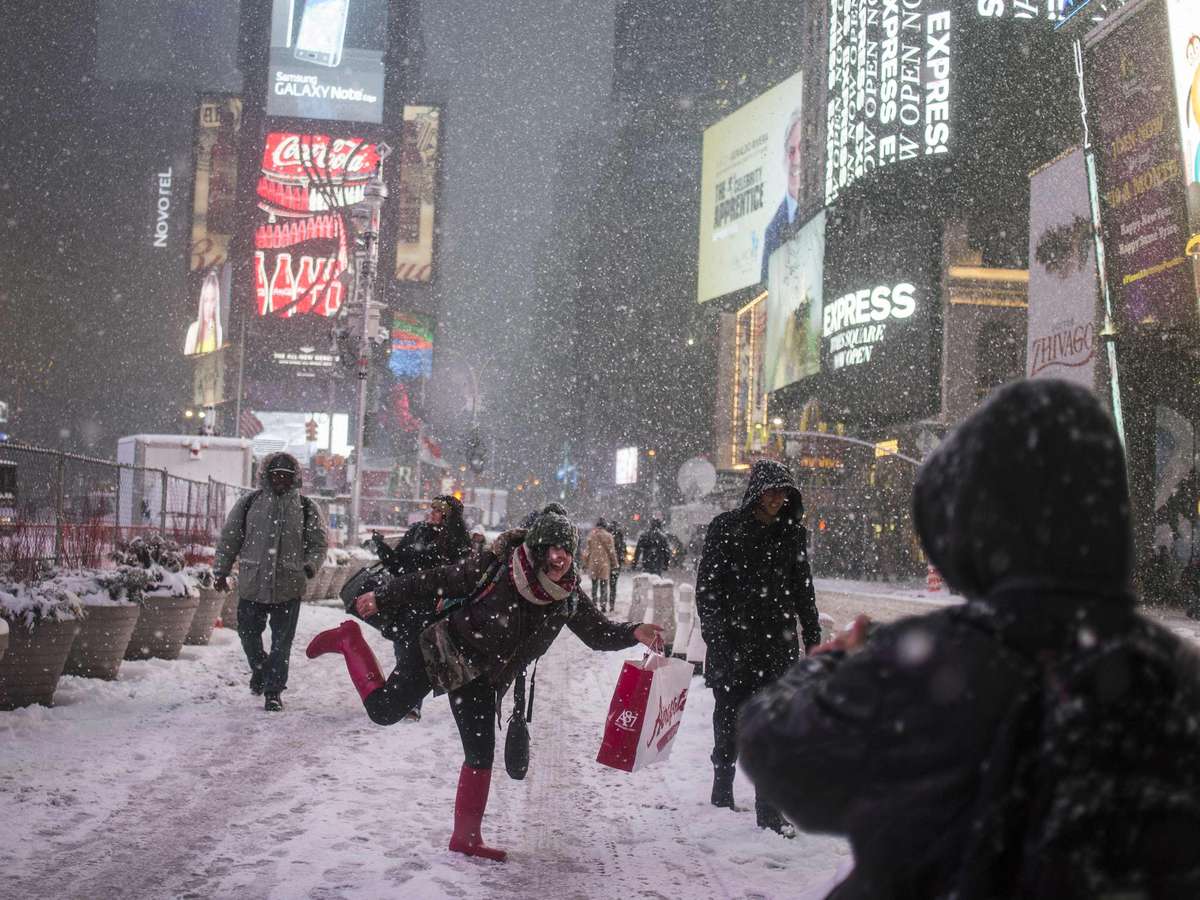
[[68, 510]]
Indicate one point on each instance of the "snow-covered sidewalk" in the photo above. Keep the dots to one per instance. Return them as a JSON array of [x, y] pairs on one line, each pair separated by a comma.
[[173, 782]]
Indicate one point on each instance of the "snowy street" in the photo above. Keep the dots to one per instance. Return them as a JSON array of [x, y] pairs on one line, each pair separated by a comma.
[[173, 782]]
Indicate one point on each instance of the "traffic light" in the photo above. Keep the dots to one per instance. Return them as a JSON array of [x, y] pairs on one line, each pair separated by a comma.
[[310, 430]]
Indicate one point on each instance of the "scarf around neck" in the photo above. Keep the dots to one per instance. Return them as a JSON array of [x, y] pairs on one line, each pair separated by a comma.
[[534, 584]]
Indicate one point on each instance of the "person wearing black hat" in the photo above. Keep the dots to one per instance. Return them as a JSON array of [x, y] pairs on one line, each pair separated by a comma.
[[438, 541], [653, 551], [278, 536], [472, 628]]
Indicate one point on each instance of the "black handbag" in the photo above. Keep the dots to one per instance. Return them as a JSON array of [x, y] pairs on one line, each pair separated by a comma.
[[372, 578], [516, 740]]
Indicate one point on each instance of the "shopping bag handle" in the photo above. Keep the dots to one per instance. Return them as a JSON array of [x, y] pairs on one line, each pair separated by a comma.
[[658, 648]]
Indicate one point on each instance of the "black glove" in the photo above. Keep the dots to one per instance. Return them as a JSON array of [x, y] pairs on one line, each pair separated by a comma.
[[309, 571], [222, 584]]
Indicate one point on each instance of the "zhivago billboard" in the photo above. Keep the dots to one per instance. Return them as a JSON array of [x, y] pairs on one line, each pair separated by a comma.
[[214, 190], [890, 82], [881, 316], [419, 147], [750, 181], [326, 59], [411, 355], [1063, 282], [1142, 191], [795, 307], [300, 246]]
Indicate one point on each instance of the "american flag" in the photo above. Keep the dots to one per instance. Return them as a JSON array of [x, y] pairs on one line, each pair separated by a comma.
[[249, 425]]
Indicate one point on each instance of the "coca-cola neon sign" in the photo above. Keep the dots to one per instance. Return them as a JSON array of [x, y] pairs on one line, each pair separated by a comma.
[[306, 183]]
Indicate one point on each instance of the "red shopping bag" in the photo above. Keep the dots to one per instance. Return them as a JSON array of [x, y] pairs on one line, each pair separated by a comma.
[[645, 713]]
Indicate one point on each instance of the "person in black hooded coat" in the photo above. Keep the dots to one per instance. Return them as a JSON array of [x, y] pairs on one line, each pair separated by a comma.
[[897, 737], [752, 584]]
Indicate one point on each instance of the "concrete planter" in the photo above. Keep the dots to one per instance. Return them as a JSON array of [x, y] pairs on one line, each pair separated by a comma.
[[34, 661], [161, 628], [104, 634], [207, 613]]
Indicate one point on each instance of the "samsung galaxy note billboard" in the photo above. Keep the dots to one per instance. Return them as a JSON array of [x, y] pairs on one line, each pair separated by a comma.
[[326, 59], [750, 182]]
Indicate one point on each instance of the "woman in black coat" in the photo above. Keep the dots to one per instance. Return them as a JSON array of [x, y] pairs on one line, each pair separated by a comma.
[[469, 629], [752, 585], [900, 740]]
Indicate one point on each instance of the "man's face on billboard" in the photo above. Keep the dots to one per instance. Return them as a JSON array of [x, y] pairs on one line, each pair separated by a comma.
[[792, 161]]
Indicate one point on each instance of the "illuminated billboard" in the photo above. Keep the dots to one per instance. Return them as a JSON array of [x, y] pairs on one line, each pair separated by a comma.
[[1183, 22], [627, 465], [208, 332], [1139, 160], [890, 80], [1063, 282], [750, 189], [411, 355], [300, 245], [795, 306], [326, 59], [881, 316], [749, 385], [417, 193], [214, 191]]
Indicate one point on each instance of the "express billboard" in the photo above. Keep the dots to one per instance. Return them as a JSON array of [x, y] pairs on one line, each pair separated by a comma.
[[417, 192], [795, 306], [1141, 177], [750, 188], [300, 244], [1063, 280], [214, 188], [890, 83], [881, 316], [326, 59]]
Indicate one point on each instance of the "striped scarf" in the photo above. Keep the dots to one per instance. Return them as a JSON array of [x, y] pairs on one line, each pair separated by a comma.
[[534, 584]]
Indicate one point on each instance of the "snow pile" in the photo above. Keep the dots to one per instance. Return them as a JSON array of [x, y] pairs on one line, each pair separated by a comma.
[[38, 601]]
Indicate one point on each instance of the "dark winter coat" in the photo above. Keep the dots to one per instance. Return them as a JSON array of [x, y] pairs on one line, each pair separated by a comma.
[[427, 546], [274, 538], [653, 552], [752, 584], [619, 546], [1024, 510], [499, 634]]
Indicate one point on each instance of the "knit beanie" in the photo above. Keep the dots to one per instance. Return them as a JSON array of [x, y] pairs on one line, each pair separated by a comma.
[[551, 530]]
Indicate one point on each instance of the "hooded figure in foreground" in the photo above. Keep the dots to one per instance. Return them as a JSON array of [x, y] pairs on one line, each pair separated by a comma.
[[1038, 741], [752, 588]]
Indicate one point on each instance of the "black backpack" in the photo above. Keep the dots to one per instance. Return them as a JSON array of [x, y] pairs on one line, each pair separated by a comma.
[[1093, 789]]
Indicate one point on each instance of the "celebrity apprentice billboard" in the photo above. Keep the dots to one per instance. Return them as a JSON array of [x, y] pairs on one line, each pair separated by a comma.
[[306, 184], [890, 80], [750, 189], [326, 59]]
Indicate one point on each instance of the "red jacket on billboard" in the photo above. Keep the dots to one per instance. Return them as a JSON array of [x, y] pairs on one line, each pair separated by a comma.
[[307, 183]]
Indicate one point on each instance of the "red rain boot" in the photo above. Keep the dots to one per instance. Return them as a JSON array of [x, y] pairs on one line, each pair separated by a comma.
[[473, 785], [347, 640]]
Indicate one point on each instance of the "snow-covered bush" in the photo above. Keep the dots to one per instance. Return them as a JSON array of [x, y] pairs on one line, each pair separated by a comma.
[[39, 601], [148, 552], [202, 574]]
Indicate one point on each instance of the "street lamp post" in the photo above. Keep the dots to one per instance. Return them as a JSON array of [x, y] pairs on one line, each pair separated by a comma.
[[365, 216]]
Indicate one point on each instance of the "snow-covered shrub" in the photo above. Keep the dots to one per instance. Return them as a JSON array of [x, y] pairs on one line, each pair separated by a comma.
[[149, 551], [39, 601], [202, 574]]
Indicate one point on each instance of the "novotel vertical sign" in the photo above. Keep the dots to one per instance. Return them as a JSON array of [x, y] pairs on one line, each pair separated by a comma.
[[890, 74], [162, 192]]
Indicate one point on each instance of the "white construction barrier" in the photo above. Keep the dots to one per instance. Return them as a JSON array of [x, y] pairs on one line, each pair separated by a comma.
[[662, 608], [640, 597], [685, 618]]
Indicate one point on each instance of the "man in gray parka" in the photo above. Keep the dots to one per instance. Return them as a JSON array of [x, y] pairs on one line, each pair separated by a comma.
[[279, 537]]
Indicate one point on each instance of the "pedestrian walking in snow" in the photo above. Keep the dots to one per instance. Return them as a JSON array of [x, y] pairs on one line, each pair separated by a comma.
[[600, 559], [653, 551], [615, 575], [752, 585], [438, 541], [473, 627], [1039, 740], [278, 538]]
